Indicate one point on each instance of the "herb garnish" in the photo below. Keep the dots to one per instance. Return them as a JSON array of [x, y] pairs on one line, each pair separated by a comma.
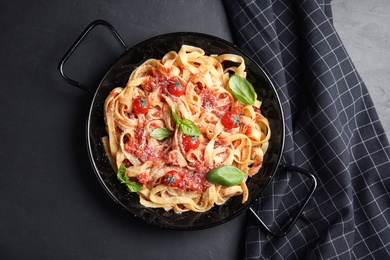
[[186, 126], [133, 186], [160, 133], [225, 175], [242, 89]]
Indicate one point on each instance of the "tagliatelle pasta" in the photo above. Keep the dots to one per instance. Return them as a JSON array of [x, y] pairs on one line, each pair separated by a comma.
[[177, 119]]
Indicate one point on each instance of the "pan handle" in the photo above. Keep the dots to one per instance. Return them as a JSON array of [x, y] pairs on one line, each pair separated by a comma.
[[77, 43], [287, 227]]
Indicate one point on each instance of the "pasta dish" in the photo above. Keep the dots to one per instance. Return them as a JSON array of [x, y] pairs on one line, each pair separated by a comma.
[[186, 132]]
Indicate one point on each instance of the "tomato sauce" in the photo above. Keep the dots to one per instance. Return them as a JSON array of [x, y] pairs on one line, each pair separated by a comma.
[[158, 80], [221, 142], [192, 179], [149, 84], [213, 102], [146, 153], [247, 129], [209, 99], [196, 180], [144, 178], [257, 164]]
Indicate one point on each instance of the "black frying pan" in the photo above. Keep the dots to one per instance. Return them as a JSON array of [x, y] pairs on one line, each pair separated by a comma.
[[118, 75]]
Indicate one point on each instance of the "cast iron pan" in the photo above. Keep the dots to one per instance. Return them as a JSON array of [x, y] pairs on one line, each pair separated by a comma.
[[118, 75]]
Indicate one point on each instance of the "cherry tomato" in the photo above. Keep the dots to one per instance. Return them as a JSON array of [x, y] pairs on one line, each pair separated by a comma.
[[172, 178], [230, 120], [176, 88], [141, 105], [190, 142]]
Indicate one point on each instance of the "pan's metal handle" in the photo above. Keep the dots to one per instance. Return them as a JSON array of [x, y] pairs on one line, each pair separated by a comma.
[[77, 43], [288, 226]]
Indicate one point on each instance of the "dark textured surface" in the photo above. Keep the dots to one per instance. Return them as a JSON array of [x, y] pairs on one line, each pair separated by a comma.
[[364, 28], [334, 131], [52, 205]]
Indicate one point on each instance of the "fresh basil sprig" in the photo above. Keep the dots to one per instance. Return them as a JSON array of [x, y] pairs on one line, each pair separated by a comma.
[[133, 186], [225, 175], [242, 89], [161, 133], [186, 126], [189, 128]]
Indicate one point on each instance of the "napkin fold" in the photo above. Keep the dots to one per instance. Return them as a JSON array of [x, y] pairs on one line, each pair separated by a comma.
[[332, 130]]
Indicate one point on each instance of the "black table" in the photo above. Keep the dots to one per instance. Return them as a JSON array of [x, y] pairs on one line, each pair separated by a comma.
[[52, 205]]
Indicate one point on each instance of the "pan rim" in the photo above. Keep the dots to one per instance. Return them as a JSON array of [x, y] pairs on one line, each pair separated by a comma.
[[95, 97]]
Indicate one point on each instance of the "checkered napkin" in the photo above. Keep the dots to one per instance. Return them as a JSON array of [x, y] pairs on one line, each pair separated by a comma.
[[332, 130]]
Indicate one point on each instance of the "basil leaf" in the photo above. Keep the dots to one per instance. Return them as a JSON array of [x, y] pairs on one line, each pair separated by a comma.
[[189, 128], [186, 126], [176, 117], [134, 186], [242, 89], [131, 185], [225, 175], [121, 174], [160, 133]]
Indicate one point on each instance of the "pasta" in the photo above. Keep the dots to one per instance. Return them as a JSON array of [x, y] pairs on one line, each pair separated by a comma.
[[175, 120]]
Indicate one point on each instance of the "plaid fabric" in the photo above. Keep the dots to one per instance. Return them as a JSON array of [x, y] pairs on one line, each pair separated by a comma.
[[332, 129]]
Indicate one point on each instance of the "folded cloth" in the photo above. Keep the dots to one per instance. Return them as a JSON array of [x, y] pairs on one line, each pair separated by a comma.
[[332, 129]]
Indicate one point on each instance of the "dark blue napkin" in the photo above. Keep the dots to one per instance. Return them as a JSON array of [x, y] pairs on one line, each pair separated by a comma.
[[332, 130]]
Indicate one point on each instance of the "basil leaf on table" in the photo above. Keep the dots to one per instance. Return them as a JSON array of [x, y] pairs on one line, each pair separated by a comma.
[[160, 133], [133, 186], [242, 89], [225, 175]]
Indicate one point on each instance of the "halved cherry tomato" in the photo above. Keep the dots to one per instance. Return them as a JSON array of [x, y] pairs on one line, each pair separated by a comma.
[[190, 142], [172, 178], [230, 120], [141, 105], [176, 88]]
